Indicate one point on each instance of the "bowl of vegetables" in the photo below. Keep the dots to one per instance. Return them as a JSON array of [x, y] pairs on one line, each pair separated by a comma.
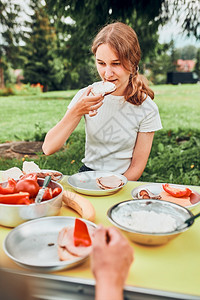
[[17, 200]]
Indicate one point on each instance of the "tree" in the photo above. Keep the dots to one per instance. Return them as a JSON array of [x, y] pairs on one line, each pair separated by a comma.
[[187, 14], [197, 65], [89, 16], [9, 36], [158, 65], [42, 64], [187, 52]]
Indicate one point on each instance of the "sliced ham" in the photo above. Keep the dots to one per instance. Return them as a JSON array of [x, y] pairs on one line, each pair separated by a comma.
[[183, 201], [64, 255], [109, 182], [62, 237], [54, 175], [66, 248]]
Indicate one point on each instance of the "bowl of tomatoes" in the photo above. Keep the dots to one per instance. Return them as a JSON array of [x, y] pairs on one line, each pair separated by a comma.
[[17, 200]]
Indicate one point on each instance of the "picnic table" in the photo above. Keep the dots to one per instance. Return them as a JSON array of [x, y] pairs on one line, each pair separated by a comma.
[[169, 271]]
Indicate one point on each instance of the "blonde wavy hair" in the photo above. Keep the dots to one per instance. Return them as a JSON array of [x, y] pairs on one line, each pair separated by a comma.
[[124, 42]]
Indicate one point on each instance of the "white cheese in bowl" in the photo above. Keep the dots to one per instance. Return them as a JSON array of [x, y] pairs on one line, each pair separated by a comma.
[[145, 221]]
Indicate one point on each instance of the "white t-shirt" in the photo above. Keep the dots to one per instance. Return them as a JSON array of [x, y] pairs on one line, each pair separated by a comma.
[[112, 133]]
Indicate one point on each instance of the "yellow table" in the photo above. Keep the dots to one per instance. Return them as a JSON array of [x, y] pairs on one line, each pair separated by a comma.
[[171, 269]]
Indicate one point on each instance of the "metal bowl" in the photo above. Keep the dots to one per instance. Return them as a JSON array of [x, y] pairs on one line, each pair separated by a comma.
[[12, 215], [34, 244], [121, 212]]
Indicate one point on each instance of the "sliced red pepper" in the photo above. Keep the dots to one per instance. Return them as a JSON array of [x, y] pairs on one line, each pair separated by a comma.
[[17, 198], [25, 201], [48, 194], [32, 176], [10, 188], [81, 234], [176, 192], [56, 191]]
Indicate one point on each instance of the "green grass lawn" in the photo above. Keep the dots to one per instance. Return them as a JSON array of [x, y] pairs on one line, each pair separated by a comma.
[[179, 105], [175, 152], [22, 116]]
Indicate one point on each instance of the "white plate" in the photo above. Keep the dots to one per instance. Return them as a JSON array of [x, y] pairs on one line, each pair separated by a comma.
[[156, 188], [34, 244], [85, 183]]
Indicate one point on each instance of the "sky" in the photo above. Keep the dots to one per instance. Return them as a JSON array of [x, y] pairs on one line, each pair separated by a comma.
[[173, 31]]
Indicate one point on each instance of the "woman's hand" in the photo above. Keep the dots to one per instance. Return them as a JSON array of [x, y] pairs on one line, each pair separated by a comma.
[[112, 256], [88, 104]]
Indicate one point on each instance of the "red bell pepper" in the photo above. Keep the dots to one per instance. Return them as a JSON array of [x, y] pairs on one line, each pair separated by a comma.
[[32, 176], [56, 191], [10, 188], [48, 194], [177, 192], [81, 234], [17, 198]]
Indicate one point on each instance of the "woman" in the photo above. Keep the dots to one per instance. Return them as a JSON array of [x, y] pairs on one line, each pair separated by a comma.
[[120, 126]]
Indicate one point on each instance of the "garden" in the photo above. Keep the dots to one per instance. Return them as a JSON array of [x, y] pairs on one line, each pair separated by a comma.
[[174, 158]]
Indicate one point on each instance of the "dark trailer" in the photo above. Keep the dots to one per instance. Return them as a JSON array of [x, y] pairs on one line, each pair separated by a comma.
[[182, 77]]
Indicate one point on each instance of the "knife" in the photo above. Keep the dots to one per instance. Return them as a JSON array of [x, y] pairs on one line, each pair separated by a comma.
[[40, 194]]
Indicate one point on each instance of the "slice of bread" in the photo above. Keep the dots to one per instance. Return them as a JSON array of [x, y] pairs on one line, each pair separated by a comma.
[[30, 167], [103, 87]]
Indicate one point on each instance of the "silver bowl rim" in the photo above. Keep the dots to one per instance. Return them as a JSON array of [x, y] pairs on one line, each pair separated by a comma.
[[109, 212]]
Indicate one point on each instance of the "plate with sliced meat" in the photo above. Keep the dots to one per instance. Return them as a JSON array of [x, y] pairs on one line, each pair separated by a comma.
[[176, 193], [47, 244], [55, 175], [97, 183]]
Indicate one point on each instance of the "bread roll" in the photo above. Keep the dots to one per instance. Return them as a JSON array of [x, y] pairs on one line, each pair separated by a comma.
[[103, 87]]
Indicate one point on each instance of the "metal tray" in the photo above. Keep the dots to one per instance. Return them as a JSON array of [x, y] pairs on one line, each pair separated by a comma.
[[33, 244], [85, 183]]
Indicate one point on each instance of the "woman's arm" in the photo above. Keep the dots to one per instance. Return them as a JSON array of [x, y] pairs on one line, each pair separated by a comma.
[[57, 136], [112, 256], [140, 155]]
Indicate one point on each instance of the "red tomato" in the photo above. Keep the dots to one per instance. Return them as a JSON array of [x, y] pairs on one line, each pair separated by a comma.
[[56, 191], [28, 185], [176, 192], [48, 194]]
